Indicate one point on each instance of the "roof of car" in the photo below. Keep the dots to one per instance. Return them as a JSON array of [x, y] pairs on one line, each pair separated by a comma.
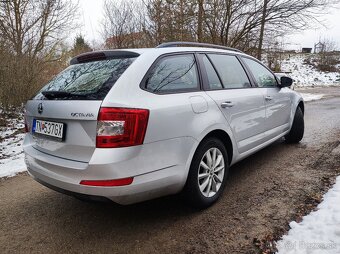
[[194, 46], [134, 52], [177, 49]]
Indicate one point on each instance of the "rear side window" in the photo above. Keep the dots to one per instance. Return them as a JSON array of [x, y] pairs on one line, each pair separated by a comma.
[[213, 79], [264, 78], [230, 70], [90, 81], [173, 74]]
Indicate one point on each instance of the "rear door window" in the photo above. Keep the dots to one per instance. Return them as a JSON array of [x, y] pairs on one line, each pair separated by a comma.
[[173, 74], [230, 71], [91, 80]]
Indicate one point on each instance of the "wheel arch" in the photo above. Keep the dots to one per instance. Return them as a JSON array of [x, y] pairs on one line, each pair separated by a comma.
[[302, 106], [218, 133], [189, 191], [224, 137]]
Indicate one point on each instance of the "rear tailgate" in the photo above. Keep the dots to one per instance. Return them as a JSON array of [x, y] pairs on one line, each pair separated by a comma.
[[62, 117], [79, 119]]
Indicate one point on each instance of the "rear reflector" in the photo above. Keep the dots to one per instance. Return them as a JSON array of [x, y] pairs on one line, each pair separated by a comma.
[[26, 126], [121, 127], [27, 129], [107, 183]]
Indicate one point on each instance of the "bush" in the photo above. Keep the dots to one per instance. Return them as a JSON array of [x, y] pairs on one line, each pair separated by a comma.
[[328, 61], [327, 68], [324, 61], [21, 77]]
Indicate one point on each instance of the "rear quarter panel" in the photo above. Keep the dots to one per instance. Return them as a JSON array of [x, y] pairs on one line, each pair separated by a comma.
[[171, 115]]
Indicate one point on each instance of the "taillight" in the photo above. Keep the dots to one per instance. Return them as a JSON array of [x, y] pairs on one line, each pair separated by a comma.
[[121, 127]]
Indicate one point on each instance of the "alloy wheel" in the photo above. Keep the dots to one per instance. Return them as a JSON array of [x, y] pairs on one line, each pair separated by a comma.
[[211, 172]]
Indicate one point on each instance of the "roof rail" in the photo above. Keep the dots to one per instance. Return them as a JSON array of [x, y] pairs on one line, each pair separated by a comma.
[[195, 44]]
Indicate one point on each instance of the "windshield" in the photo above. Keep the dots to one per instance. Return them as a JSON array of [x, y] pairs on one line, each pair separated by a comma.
[[91, 80]]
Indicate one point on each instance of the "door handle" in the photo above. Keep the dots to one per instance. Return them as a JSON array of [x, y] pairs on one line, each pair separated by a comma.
[[268, 98], [227, 104]]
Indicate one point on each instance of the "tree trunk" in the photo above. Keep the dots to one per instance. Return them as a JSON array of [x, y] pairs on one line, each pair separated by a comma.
[[263, 21], [200, 21]]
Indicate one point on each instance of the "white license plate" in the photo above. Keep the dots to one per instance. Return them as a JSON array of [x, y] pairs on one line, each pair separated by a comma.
[[48, 128]]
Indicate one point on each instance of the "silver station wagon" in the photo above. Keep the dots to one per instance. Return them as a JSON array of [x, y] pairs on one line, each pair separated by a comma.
[[135, 124]]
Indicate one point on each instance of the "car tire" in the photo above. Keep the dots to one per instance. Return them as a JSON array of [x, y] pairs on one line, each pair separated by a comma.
[[296, 132], [209, 174]]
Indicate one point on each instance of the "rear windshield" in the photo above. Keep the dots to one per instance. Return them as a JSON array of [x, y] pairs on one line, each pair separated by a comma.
[[89, 81]]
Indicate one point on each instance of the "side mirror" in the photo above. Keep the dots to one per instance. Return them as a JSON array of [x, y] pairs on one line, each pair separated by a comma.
[[285, 81]]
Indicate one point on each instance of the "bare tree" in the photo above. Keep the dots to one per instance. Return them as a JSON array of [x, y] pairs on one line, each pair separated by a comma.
[[243, 24], [31, 35], [34, 28], [286, 16], [232, 22], [124, 24]]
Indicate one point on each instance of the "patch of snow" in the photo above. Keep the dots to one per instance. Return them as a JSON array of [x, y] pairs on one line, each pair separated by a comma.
[[10, 167], [305, 75], [11, 152], [318, 232], [12, 156], [6, 132], [311, 97]]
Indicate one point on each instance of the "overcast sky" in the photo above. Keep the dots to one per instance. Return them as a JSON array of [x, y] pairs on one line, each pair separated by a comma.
[[309, 37], [91, 12]]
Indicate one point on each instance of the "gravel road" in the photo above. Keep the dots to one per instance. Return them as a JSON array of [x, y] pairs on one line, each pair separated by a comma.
[[264, 192]]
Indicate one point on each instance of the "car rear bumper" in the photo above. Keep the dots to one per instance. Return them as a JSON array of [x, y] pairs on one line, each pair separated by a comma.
[[163, 176]]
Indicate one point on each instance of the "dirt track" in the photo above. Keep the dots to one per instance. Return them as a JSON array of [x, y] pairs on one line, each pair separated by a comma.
[[263, 193]]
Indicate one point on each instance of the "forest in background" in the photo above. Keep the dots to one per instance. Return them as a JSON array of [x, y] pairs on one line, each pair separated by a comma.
[[33, 32]]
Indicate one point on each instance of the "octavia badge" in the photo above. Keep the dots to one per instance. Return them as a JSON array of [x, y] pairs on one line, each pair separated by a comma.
[[40, 108]]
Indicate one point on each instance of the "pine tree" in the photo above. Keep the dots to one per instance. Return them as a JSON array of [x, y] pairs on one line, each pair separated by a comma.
[[80, 46]]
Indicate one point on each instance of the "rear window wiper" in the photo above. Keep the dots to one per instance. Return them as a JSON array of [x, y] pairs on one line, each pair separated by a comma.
[[61, 94]]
